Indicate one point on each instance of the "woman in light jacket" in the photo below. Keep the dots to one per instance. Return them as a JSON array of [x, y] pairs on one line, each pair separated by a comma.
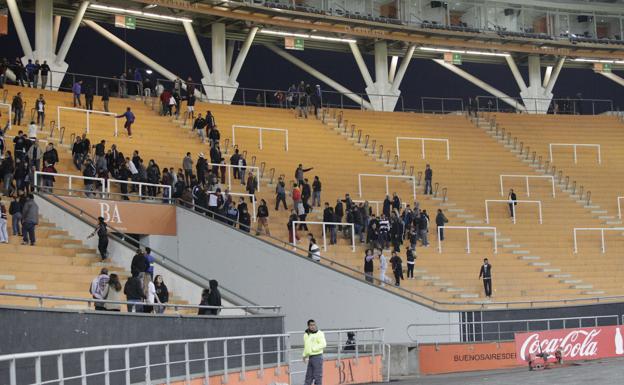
[[114, 293]]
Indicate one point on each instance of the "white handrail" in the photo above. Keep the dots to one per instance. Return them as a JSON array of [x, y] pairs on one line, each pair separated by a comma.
[[294, 238], [252, 196], [229, 171], [70, 177], [422, 142], [619, 207], [602, 238], [140, 184], [10, 108], [513, 207], [88, 113], [387, 177], [260, 129], [377, 203], [468, 228], [526, 177], [574, 146]]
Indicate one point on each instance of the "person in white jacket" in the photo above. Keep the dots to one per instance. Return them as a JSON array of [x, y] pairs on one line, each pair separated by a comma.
[[383, 266], [314, 251]]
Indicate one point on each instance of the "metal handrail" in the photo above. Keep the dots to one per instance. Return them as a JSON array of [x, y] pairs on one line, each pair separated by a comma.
[[42, 297]]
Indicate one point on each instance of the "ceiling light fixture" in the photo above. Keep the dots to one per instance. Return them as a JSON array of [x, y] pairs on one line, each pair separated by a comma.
[[306, 36], [479, 53], [138, 13], [586, 60]]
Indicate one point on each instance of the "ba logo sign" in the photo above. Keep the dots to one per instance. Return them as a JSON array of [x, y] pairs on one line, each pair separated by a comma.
[[345, 372], [110, 212]]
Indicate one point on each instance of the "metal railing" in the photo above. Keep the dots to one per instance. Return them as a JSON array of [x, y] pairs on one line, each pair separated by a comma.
[[538, 105], [502, 330], [117, 87], [150, 362], [41, 300]]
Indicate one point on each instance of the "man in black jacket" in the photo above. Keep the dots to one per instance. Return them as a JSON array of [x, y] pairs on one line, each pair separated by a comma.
[[441, 220], [486, 274], [134, 293], [428, 179], [512, 202], [139, 263], [328, 216]]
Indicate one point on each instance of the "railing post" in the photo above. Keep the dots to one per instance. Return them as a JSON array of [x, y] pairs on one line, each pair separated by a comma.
[[468, 239], [242, 371], [225, 361]]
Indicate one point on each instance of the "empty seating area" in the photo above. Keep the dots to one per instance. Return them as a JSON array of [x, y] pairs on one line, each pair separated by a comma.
[[534, 261]]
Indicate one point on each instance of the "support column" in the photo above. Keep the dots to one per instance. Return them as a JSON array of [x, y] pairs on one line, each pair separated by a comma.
[[19, 28], [55, 31], [382, 95], [393, 67], [481, 84], [222, 87], [229, 54], [616, 78], [43, 29], [322, 77], [197, 51]]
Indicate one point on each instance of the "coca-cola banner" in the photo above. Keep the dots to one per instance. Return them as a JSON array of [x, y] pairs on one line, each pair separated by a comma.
[[575, 344]]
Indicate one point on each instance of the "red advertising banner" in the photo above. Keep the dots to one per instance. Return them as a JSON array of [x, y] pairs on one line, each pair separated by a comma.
[[575, 344]]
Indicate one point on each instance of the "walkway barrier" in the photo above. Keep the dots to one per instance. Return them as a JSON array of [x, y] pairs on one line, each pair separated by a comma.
[[229, 172], [468, 228], [602, 235], [71, 178], [387, 177], [88, 116], [260, 129], [294, 225], [526, 177], [376, 203], [41, 300], [160, 362], [140, 185], [422, 144], [574, 147], [513, 208]]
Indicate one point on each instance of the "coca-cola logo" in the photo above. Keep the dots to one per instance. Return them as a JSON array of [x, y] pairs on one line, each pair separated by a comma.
[[574, 345]]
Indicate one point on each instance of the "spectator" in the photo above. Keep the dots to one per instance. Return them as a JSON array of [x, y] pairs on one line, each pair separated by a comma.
[[76, 91], [428, 178], [214, 135], [252, 185], [383, 266], [50, 156], [161, 292], [30, 69], [397, 268], [149, 258], [423, 228], [292, 231], [328, 216], [30, 219], [214, 298], [139, 263], [105, 96], [242, 168], [338, 213], [45, 69], [441, 220], [190, 105], [299, 171], [40, 108], [88, 91], [99, 288], [150, 293], [369, 267], [129, 115], [48, 178], [200, 125], [316, 192], [313, 345], [280, 193], [187, 166], [113, 294], [4, 235], [314, 251], [511, 198], [20, 72], [263, 218], [204, 302], [15, 209], [486, 273], [102, 232], [411, 261], [17, 106], [133, 289], [244, 220]]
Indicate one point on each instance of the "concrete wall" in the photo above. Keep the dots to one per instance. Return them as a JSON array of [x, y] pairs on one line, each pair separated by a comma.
[[45, 329], [266, 274], [121, 254]]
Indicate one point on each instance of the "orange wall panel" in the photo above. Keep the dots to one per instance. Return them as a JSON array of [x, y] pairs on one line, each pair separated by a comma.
[[451, 358]]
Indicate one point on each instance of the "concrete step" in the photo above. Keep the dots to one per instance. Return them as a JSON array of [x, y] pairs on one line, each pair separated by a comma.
[[599, 211], [59, 236], [582, 286], [442, 284], [550, 270], [529, 257], [571, 281], [590, 206], [87, 255], [7, 277], [452, 289], [465, 216], [520, 251], [455, 210], [613, 222], [466, 295], [474, 221], [539, 264], [593, 292], [21, 286], [448, 204], [510, 245], [429, 278], [606, 217], [565, 275]]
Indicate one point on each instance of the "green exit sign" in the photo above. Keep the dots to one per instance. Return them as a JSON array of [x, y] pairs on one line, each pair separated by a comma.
[[453, 58], [295, 43], [122, 21]]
